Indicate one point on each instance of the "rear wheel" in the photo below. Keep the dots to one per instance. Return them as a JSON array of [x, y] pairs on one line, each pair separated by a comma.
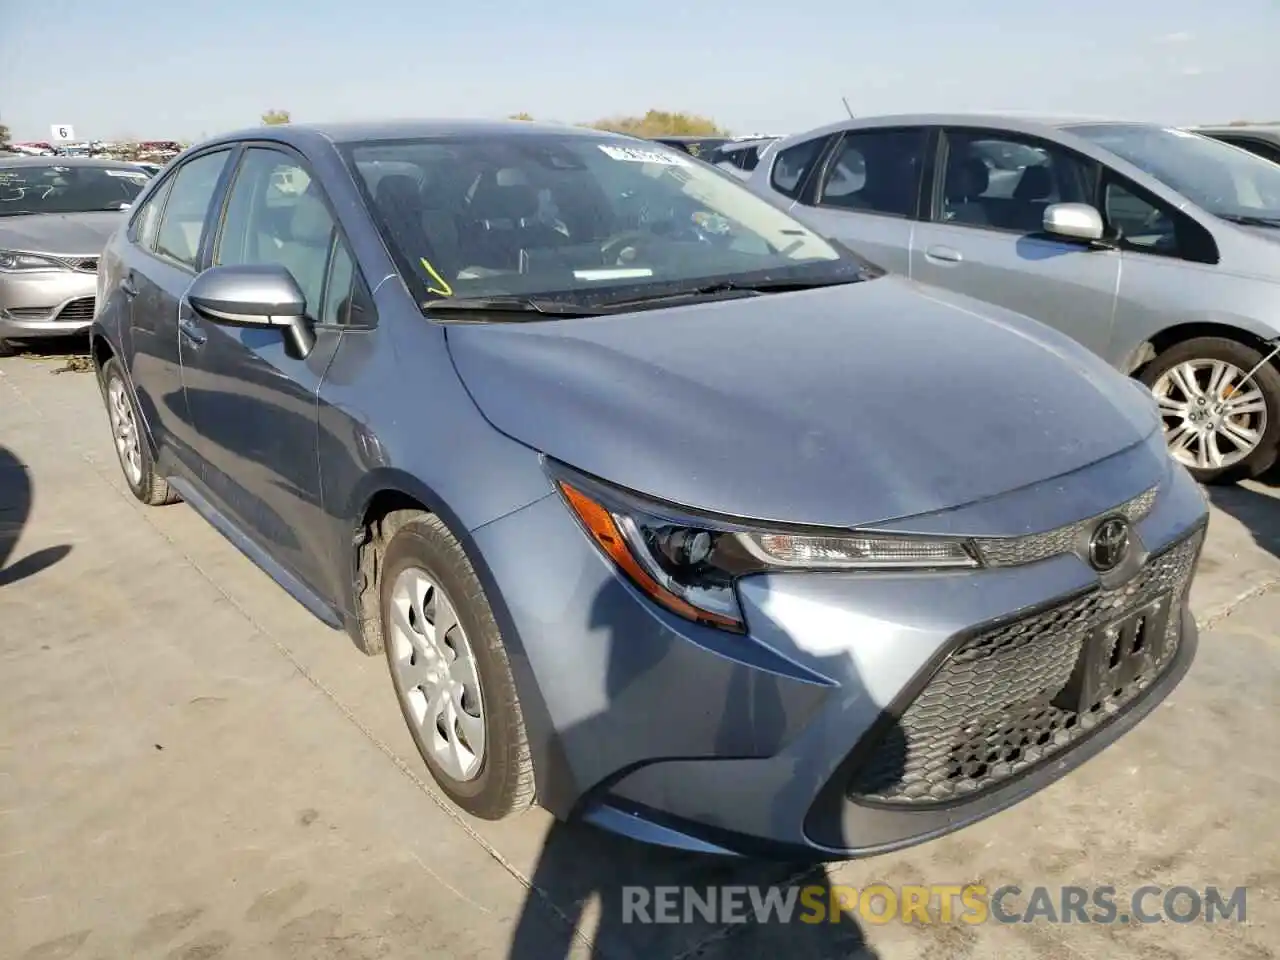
[[1218, 424], [131, 445], [451, 673], [6, 349]]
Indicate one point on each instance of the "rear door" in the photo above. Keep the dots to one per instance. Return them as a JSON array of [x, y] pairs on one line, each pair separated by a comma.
[[159, 263], [866, 193], [252, 402], [983, 234]]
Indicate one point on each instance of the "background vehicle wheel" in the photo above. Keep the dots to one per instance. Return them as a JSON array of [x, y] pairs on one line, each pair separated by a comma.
[[451, 673], [131, 446], [1217, 425]]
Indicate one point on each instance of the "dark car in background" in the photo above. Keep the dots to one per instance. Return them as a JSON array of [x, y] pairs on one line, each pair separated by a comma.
[[664, 510], [1262, 139], [698, 147]]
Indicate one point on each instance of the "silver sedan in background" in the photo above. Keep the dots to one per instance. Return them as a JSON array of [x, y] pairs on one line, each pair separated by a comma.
[[56, 214], [1154, 247]]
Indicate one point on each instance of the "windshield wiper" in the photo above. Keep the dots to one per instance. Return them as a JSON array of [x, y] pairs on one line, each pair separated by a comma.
[[536, 306], [733, 287], [1249, 220]]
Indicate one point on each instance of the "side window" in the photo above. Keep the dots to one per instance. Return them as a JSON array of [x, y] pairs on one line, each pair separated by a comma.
[[1006, 181], [275, 214], [791, 166], [876, 171], [1145, 224], [182, 226], [339, 287], [142, 230]]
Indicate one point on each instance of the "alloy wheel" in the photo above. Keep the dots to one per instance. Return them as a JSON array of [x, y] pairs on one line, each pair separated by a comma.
[[124, 430], [434, 669], [1213, 418]]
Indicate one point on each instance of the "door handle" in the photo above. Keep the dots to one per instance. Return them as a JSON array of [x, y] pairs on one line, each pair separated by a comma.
[[188, 327], [946, 255], [127, 286]]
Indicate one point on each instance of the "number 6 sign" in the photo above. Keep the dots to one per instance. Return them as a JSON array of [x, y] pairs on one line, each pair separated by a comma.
[[63, 131]]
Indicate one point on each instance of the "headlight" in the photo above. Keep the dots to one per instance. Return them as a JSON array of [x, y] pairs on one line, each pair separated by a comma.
[[12, 261], [690, 564]]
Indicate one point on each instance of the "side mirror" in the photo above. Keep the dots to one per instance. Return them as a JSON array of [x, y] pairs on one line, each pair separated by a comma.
[[264, 296], [1075, 221]]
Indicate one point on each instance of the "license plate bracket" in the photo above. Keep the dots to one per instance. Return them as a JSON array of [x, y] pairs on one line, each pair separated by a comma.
[[1116, 653]]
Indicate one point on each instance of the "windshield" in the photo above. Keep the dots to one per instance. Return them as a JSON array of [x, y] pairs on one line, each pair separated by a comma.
[[1217, 177], [67, 188], [585, 219]]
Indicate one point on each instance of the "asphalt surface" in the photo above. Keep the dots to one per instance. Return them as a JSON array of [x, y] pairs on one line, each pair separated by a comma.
[[192, 767]]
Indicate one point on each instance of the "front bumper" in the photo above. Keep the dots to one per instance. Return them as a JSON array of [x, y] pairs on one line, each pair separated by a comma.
[[855, 717], [52, 304]]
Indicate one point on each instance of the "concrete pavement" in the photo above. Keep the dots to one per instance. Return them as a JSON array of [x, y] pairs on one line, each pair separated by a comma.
[[192, 767]]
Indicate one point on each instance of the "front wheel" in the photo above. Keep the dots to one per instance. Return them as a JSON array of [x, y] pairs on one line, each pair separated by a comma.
[[1218, 424], [451, 672]]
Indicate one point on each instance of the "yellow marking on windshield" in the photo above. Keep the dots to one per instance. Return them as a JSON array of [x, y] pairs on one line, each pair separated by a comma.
[[444, 290]]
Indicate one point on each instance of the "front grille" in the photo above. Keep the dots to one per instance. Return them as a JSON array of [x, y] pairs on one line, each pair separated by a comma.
[[997, 707], [1013, 551], [29, 313], [77, 310], [83, 264]]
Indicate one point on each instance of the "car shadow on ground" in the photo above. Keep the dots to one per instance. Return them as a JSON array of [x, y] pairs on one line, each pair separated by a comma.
[[1258, 511], [606, 890], [15, 507]]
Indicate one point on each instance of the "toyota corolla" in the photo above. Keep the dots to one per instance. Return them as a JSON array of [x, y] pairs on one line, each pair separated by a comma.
[[667, 513]]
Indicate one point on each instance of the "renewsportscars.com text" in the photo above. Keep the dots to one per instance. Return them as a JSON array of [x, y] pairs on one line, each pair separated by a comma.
[[938, 903]]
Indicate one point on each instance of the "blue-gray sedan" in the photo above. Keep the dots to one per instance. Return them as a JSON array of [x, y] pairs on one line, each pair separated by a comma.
[[667, 513]]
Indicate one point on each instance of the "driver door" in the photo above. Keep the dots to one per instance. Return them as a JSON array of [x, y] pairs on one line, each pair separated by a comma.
[[252, 403]]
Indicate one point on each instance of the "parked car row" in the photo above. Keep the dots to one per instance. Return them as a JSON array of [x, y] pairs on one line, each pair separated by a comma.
[[666, 511], [1156, 248]]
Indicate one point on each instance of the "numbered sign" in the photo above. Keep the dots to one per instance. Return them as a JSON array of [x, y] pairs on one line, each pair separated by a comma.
[[63, 132]]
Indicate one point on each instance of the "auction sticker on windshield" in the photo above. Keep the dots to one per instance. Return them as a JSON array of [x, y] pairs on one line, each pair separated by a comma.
[[641, 155]]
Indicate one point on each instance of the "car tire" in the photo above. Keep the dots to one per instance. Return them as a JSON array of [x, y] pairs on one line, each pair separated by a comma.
[[500, 781], [1196, 360], [7, 349], [129, 438]]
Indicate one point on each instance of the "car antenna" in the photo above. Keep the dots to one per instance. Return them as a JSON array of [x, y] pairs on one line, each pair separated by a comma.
[[845, 101]]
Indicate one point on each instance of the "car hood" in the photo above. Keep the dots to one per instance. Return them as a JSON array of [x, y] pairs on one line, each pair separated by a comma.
[[840, 406], [72, 234]]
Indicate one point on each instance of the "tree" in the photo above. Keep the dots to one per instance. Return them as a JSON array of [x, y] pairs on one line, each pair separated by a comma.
[[4, 135], [520, 116], [274, 118], [657, 122]]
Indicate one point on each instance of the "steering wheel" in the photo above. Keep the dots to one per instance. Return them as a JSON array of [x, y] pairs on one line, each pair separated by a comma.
[[612, 248]]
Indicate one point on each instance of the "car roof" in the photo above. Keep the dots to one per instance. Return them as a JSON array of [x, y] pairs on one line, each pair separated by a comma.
[[1026, 123], [362, 131], [25, 160]]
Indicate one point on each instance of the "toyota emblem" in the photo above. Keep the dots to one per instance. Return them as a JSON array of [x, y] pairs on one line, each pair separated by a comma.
[[1109, 544]]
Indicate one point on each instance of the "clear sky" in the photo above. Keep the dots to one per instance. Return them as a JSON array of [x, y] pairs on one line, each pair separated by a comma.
[[181, 70]]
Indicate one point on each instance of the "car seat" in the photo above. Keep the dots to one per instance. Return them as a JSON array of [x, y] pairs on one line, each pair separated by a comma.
[[965, 184]]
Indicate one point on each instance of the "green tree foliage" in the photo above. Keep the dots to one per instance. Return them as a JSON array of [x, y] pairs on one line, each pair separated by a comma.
[[4, 135], [658, 122], [520, 116], [275, 117]]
